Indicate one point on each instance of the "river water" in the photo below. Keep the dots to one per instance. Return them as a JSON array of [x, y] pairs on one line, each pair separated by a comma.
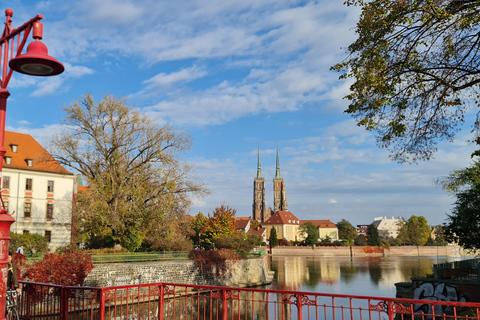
[[343, 275]]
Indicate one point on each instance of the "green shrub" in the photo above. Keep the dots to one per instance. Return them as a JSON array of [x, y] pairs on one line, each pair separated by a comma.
[[32, 243]]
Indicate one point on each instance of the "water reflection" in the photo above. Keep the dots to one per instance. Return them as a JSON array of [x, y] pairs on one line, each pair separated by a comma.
[[358, 276]]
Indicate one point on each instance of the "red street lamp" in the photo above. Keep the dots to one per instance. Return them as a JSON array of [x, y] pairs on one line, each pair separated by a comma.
[[36, 62]]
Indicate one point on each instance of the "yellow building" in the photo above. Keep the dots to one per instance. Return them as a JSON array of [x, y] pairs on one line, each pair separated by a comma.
[[325, 228], [286, 225]]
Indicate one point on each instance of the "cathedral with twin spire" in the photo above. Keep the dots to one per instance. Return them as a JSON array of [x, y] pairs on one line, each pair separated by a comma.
[[259, 211]]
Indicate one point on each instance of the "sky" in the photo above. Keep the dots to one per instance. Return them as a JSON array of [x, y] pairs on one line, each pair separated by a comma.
[[237, 75]]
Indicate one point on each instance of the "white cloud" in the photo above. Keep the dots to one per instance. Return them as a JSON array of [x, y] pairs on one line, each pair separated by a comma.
[[183, 76], [48, 86], [77, 71], [332, 201]]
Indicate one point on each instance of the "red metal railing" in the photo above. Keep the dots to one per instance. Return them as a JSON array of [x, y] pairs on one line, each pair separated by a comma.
[[177, 301]]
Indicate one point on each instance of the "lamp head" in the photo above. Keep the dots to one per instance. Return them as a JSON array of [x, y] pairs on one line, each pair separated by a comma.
[[36, 62]]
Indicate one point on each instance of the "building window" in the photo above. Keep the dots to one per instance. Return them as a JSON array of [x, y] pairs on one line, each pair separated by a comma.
[[8, 160], [5, 203], [50, 186], [6, 183], [27, 209], [49, 211], [26, 231], [30, 162], [14, 148], [28, 184], [48, 235]]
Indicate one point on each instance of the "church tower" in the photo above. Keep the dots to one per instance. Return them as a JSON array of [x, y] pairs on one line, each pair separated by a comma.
[[279, 195], [259, 194]]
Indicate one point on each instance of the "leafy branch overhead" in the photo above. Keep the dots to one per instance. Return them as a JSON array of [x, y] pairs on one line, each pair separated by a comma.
[[415, 68]]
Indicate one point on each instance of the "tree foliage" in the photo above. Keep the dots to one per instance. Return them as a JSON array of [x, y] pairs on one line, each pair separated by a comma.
[[346, 231], [239, 242], [463, 179], [273, 238], [32, 243], [197, 225], [137, 183], [361, 240], [462, 225], [415, 68], [309, 232], [413, 232], [373, 238], [220, 223]]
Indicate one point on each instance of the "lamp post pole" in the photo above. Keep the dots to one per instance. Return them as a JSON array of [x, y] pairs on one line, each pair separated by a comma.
[[35, 62]]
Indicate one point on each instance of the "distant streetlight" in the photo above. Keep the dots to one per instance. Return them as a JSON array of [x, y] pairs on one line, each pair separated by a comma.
[[35, 62]]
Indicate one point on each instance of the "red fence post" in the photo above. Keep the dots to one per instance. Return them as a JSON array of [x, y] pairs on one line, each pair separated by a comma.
[[390, 312], [63, 304], [29, 291], [224, 303], [299, 307], [161, 303], [102, 304]]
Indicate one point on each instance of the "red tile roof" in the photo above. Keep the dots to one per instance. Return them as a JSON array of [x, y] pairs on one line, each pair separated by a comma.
[[258, 231], [82, 188], [29, 148], [241, 222], [282, 217], [320, 223]]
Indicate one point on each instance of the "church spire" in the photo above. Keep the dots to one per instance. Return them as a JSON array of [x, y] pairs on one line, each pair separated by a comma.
[[277, 170], [259, 167]]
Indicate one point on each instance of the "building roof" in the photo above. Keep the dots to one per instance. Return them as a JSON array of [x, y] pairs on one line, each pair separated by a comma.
[[82, 188], [282, 217], [320, 223], [241, 223], [258, 231], [29, 149]]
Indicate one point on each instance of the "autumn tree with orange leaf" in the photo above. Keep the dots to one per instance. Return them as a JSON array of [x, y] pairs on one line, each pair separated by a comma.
[[220, 223]]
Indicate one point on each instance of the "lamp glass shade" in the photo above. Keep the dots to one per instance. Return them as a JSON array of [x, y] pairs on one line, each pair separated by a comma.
[[36, 62]]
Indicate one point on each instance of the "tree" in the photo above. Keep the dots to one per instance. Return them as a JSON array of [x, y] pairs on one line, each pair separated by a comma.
[[346, 231], [197, 224], [462, 224], [174, 234], [221, 222], [413, 232], [415, 68], [373, 238], [239, 242], [461, 180], [273, 237], [361, 240], [137, 183], [309, 232], [32, 243]]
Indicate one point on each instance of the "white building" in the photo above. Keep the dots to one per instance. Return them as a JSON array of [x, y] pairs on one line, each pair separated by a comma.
[[38, 189], [387, 228]]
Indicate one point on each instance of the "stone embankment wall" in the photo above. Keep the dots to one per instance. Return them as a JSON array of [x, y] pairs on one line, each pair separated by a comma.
[[242, 273], [367, 251]]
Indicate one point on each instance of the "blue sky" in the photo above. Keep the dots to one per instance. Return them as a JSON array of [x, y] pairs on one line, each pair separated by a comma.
[[234, 74]]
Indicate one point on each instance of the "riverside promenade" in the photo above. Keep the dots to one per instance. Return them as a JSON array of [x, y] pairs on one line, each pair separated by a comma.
[[369, 251]]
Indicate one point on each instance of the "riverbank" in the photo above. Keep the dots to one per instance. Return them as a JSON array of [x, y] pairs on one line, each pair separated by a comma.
[[369, 251], [241, 273]]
